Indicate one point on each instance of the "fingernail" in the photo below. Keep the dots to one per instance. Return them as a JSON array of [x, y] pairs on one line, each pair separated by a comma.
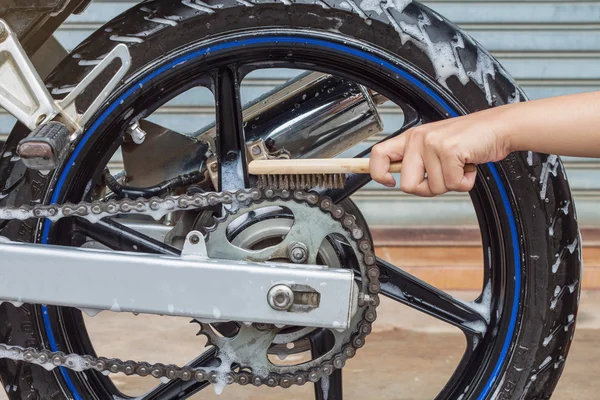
[[391, 185]]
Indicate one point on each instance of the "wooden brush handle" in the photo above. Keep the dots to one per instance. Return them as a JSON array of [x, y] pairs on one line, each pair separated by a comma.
[[320, 166]]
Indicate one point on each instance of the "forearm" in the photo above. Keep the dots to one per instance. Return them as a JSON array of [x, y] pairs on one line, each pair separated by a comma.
[[566, 125], [434, 155]]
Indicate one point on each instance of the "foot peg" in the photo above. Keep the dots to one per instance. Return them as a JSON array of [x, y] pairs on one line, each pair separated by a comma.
[[45, 146], [24, 95]]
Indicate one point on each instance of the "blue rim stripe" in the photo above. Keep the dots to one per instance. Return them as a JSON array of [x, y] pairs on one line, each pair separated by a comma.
[[319, 43]]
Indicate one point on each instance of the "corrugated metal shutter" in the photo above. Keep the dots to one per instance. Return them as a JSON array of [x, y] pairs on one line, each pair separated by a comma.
[[550, 47]]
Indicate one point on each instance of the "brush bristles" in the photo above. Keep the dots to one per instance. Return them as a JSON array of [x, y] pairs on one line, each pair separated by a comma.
[[301, 181]]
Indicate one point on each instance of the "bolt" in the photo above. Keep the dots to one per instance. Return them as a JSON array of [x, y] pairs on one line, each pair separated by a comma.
[[231, 155], [256, 150], [281, 297], [194, 239], [298, 252], [138, 135], [214, 167], [262, 327]]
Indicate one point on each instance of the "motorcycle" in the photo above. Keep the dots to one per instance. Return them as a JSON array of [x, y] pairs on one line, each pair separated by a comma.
[[184, 230]]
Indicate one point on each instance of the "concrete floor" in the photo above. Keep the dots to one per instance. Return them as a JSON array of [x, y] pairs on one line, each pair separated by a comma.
[[408, 356]]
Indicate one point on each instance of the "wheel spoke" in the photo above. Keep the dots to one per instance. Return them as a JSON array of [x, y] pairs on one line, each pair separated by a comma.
[[328, 387], [178, 389], [120, 237], [230, 131], [356, 181], [411, 291]]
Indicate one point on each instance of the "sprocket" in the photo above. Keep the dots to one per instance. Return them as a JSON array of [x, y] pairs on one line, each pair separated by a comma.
[[317, 225]]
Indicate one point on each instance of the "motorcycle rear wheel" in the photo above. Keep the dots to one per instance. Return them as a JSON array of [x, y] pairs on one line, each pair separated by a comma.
[[393, 51]]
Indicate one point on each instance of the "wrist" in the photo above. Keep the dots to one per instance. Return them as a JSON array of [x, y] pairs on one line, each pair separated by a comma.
[[505, 131]]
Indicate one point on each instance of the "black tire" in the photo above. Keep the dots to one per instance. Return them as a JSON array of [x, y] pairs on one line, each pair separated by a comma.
[[536, 184]]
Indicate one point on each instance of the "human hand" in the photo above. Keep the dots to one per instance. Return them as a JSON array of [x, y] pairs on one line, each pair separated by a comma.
[[441, 149]]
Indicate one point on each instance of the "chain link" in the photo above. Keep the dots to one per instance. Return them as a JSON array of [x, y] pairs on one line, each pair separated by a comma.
[[158, 207], [155, 206]]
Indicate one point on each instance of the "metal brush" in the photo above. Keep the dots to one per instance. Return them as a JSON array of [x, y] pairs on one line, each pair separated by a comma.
[[307, 173], [301, 181]]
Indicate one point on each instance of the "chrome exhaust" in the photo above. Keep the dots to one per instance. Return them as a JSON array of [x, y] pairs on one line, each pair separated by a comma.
[[313, 115]]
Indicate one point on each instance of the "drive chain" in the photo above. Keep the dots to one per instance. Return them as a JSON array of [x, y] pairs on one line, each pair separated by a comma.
[[158, 207]]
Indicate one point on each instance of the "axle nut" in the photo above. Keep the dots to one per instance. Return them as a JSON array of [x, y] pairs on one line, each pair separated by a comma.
[[281, 297], [298, 252]]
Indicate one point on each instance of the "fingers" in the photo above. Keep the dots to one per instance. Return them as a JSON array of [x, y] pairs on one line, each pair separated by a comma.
[[381, 157], [412, 179], [445, 172], [455, 177], [431, 162], [435, 172]]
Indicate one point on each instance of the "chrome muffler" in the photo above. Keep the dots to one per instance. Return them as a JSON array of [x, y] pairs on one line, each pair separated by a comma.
[[313, 115]]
